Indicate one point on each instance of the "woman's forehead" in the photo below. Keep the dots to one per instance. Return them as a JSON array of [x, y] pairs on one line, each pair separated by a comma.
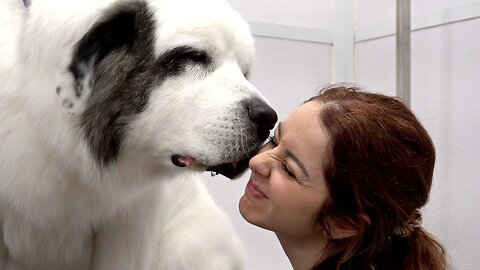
[[306, 114], [303, 133]]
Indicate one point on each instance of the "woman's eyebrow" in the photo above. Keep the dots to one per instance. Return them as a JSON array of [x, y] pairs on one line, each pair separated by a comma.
[[297, 160], [290, 154]]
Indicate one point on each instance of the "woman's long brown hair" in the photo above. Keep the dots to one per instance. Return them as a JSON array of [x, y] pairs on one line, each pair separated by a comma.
[[380, 172]]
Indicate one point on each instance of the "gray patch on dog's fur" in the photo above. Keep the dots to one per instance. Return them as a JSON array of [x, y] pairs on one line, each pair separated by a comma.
[[119, 50]]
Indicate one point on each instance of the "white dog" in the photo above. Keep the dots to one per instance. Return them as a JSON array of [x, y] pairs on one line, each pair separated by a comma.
[[107, 110]]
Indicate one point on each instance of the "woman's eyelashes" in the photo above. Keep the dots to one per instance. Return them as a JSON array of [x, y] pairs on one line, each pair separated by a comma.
[[272, 141], [285, 168], [288, 171]]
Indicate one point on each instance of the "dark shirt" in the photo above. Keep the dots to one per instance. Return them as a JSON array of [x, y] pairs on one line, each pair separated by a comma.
[[357, 263]]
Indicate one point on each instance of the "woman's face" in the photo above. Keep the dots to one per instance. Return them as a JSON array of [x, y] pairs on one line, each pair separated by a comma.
[[287, 187]]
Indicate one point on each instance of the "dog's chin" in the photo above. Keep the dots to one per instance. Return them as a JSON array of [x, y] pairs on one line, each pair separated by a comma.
[[230, 169]]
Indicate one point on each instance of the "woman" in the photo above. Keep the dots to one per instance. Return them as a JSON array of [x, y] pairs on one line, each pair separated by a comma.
[[341, 183]]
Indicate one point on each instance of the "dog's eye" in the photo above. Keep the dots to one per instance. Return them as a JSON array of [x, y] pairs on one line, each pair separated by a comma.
[[197, 56], [185, 54], [178, 59]]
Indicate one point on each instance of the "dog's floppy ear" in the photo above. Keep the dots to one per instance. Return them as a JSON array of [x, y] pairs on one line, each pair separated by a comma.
[[115, 31]]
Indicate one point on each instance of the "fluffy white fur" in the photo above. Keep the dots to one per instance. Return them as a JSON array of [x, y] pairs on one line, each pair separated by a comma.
[[58, 208]]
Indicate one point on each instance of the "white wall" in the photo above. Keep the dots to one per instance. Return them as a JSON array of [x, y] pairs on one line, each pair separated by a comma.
[[445, 96], [372, 12], [308, 13]]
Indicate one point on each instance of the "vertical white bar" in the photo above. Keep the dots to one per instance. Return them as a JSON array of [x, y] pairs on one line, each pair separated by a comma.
[[344, 41], [403, 51]]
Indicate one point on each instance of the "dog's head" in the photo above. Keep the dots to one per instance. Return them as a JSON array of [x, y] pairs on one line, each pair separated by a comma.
[[164, 82]]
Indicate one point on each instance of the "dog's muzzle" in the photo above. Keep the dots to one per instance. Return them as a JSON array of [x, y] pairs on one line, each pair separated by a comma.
[[263, 117]]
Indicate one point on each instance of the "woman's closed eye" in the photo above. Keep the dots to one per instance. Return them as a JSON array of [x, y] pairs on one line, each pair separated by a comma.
[[288, 171]]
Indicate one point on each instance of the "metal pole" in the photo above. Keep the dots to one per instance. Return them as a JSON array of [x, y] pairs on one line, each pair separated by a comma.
[[403, 51]]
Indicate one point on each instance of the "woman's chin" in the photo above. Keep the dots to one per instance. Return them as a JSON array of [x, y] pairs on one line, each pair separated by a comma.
[[251, 213]]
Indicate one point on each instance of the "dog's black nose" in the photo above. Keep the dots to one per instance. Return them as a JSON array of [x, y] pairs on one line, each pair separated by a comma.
[[262, 115]]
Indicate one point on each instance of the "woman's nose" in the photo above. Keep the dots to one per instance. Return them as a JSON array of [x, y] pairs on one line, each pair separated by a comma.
[[259, 164]]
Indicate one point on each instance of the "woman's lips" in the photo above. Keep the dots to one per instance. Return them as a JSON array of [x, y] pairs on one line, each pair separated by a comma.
[[255, 191]]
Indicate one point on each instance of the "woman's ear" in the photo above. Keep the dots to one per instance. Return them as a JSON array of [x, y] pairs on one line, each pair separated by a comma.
[[338, 229]]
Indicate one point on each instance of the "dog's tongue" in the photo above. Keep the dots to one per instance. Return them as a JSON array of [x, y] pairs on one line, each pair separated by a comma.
[[183, 161]]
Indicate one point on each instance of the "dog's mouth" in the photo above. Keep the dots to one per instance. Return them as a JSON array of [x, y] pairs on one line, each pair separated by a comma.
[[231, 169]]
